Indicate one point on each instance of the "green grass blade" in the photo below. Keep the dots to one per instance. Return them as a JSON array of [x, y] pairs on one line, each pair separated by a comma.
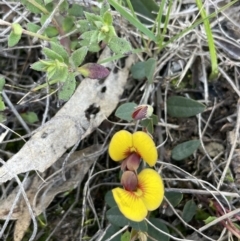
[[179, 35], [131, 8], [211, 45], [159, 18], [165, 25], [135, 22]]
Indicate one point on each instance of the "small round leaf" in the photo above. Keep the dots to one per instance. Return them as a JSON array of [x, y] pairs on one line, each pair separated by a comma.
[[178, 106], [185, 149], [125, 111], [189, 211]]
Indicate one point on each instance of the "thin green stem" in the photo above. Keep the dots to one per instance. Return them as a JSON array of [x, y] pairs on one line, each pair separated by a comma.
[[135, 22], [36, 35], [165, 25], [131, 8], [2, 22], [39, 6], [177, 36], [159, 18], [211, 45]]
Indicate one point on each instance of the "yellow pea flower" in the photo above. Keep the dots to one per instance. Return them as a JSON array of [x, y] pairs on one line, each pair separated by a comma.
[[123, 144], [147, 196]]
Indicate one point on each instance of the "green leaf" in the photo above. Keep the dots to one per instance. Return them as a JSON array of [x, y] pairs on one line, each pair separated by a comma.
[[30, 117], [149, 67], [119, 45], [174, 197], [2, 83], [32, 27], [185, 149], [107, 18], [68, 24], [105, 7], [58, 48], [125, 111], [90, 36], [210, 219], [101, 36], [144, 69], [17, 29], [116, 218], [178, 106], [155, 234], [111, 231], [148, 123], [189, 211], [92, 17], [32, 8], [154, 119], [59, 73], [78, 56], [3, 118], [51, 31], [135, 22], [2, 105], [126, 236], [51, 54], [13, 39], [145, 8], [84, 26], [68, 88], [76, 10], [110, 200], [64, 6], [93, 47], [138, 70], [39, 66], [47, 1]]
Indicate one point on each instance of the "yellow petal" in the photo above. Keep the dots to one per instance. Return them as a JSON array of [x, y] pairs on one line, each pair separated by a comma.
[[120, 145], [151, 184], [145, 147], [130, 205]]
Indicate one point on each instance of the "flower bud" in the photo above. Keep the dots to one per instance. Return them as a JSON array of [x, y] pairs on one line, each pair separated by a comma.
[[131, 163], [142, 112], [129, 181]]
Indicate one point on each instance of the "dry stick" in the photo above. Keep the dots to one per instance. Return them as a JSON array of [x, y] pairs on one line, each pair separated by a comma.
[[44, 118], [217, 220], [233, 146], [48, 20], [167, 234], [186, 224], [205, 81], [199, 181], [21, 191], [118, 232], [189, 63], [229, 81], [205, 151], [86, 193], [65, 214], [18, 116], [210, 117], [202, 192]]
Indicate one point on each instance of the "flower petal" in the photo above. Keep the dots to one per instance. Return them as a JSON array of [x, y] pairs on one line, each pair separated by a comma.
[[145, 147], [119, 145], [151, 184], [130, 205]]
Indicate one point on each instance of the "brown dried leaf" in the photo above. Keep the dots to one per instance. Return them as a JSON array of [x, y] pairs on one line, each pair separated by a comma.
[[41, 194]]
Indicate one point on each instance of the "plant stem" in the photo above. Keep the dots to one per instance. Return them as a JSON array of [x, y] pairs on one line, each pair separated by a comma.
[[211, 45]]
